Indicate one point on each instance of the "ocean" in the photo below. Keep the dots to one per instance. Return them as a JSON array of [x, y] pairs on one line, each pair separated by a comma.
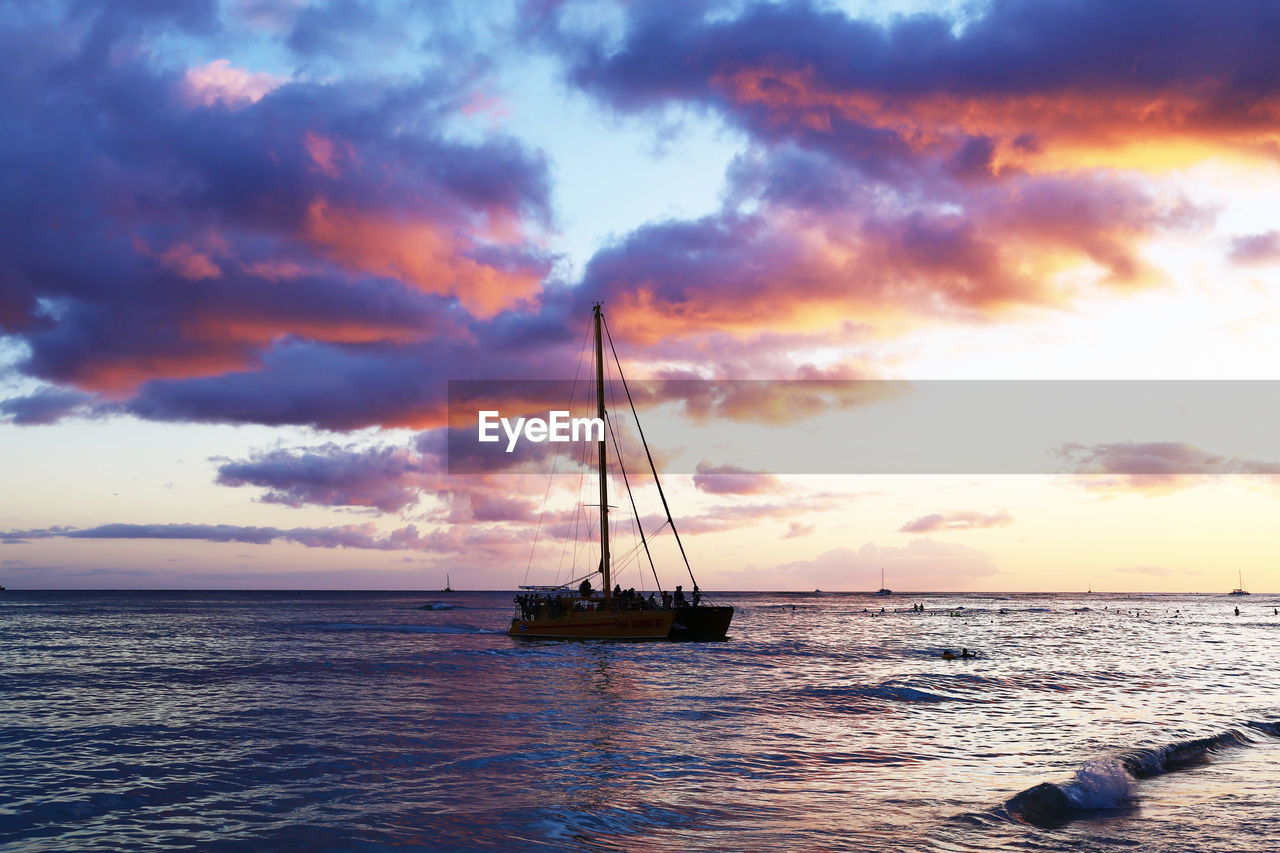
[[409, 720]]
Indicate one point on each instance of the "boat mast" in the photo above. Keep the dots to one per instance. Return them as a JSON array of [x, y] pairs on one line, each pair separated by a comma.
[[604, 474], [652, 467]]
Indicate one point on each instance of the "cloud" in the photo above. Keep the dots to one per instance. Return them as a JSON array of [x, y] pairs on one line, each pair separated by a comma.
[[44, 406], [736, 516], [1018, 87], [356, 536], [732, 480], [382, 478], [219, 83], [958, 520], [391, 479], [1256, 249], [1153, 467], [917, 170], [188, 224], [798, 530]]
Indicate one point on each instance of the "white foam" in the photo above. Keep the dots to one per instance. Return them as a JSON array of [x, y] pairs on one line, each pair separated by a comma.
[[1101, 784]]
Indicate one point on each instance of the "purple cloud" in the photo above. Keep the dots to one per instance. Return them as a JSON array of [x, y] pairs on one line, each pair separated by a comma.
[[1154, 467], [182, 224], [958, 520], [357, 536], [331, 476], [1261, 248], [732, 480], [43, 407]]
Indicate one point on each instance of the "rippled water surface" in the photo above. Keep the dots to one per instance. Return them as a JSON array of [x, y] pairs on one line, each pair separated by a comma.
[[364, 721]]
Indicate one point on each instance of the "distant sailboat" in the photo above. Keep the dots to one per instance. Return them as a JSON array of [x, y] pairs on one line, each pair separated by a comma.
[[883, 590], [448, 587], [1239, 590]]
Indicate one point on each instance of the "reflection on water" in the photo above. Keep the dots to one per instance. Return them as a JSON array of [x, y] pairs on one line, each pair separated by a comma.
[[363, 720]]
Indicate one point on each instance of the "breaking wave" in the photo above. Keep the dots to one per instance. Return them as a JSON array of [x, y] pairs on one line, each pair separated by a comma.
[[1110, 784]]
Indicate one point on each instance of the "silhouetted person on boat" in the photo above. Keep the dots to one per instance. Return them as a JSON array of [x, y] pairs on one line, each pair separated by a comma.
[[680, 602], [666, 599], [697, 595], [584, 588]]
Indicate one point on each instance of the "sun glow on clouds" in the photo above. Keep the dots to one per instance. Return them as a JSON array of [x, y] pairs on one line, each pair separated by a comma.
[[422, 253], [1024, 133]]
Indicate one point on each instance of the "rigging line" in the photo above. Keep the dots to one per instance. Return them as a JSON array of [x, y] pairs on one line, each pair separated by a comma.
[[579, 538], [635, 513], [581, 519], [631, 497], [647, 454], [555, 461]]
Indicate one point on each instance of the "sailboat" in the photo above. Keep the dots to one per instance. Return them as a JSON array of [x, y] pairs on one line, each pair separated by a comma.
[[575, 610], [1239, 590], [883, 590], [448, 586]]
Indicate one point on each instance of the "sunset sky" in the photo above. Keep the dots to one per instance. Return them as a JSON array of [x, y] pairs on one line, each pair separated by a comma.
[[245, 245]]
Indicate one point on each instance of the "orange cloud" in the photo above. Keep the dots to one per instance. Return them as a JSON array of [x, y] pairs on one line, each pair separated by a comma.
[[1035, 132], [325, 153], [1041, 243], [190, 263], [420, 252], [121, 376]]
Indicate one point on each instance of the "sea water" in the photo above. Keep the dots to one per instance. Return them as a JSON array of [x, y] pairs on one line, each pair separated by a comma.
[[372, 721]]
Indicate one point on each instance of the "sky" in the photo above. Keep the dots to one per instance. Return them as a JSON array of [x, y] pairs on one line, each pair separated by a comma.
[[245, 246]]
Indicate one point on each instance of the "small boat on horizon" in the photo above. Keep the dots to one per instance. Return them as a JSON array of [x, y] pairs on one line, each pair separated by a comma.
[[883, 590], [1239, 590], [448, 584]]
